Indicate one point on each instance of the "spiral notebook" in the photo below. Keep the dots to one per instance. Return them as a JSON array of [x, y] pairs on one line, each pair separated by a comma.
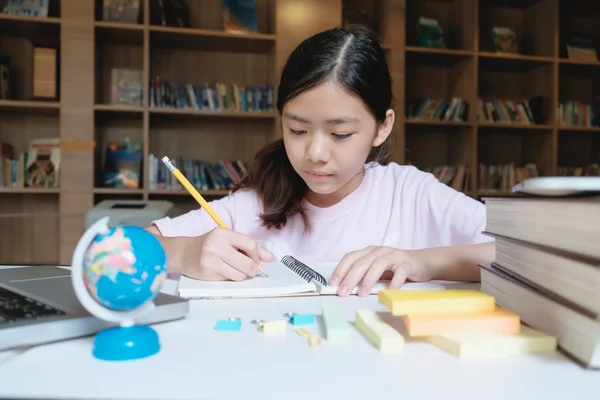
[[286, 277]]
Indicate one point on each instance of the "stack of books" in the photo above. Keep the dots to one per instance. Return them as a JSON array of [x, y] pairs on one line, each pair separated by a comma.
[[547, 268]]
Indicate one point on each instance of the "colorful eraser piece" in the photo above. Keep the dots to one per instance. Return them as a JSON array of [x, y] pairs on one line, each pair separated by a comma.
[[229, 325], [336, 326], [275, 327], [469, 346], [500, 321], [302, 319], [420, 302], [378, 332]]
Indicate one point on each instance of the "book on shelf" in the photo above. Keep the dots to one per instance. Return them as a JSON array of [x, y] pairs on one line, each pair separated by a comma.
[[170, 13], [215, 96], [11, 172], [29, 8], [503, 40], [38, 167], [428, 109], [584, 170], [504, 177], [526, 112], [455, 176], [5, 82], [575, 113], [430, 33], [122, 165], [240, 16], [203, 175], [581, 48], [546, 267], [126, 86], [42, 163], [127, 11]]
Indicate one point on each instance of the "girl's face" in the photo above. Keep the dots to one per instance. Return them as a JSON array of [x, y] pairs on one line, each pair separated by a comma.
[[328, 134]]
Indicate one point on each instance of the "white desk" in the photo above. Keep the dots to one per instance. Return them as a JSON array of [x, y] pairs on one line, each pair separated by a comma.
[[197, 362]]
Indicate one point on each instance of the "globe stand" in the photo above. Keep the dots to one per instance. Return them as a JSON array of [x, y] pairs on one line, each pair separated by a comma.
[[127, 341], [124, 343]]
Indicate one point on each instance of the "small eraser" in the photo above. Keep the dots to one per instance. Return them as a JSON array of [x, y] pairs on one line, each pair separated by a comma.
[[378, 332], [229, 325], [302, 319], [336, 326], [276, 327]]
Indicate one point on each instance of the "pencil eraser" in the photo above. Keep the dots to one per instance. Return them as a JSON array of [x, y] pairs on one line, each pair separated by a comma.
[[229, 325], [276, 327], [302, 319]]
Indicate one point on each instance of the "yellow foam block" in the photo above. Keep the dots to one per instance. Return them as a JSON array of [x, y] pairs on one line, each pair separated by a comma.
[[498, 321], [419, 302], [276, 327], [482, 346], [378, 332]]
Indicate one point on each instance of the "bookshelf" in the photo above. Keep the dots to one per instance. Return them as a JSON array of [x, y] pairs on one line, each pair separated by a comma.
[[40, 225]]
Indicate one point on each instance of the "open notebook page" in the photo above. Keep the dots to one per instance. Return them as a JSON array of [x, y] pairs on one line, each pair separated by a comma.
[[326, 269], [281, 281]]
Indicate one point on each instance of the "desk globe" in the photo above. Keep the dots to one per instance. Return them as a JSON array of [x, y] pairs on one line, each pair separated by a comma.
[[116, 273]]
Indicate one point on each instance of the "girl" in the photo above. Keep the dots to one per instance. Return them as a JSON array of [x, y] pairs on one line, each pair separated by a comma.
[[325, 192]]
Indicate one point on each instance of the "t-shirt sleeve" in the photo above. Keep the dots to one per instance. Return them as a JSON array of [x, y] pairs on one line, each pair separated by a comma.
[[456, 219], [198, 222]]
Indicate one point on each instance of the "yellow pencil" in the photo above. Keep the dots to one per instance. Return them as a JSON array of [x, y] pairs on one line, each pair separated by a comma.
[[192, 190]]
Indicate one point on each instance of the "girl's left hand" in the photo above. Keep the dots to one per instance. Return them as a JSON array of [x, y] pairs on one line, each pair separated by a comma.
[[373, 263]]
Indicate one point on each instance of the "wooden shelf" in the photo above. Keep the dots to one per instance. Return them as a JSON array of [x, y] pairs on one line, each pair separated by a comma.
[[423, 56], [206, 193], [210, 40], [119, 33], [509, 126], [117, 191], [439, 51], [579, 128], [436, 122], [117, 110], [27, 190], [566, 61], [25, 26], [199, 113], [30, 107]]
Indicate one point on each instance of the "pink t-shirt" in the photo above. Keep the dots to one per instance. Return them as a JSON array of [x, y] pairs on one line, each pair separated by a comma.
[[397, 206]]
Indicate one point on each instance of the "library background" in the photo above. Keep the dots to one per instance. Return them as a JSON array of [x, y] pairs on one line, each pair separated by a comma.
[[94, 93]]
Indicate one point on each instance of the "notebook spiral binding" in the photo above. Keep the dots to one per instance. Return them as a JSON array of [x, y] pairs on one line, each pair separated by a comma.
[[303, 270]]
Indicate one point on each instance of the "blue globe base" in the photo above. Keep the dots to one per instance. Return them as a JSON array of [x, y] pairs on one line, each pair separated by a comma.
[[123, 344]]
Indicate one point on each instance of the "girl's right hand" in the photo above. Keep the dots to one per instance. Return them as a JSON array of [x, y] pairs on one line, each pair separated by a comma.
[[222, 254]]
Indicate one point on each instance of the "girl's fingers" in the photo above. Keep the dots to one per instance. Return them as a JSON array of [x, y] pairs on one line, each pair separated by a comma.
[[240, 261], [231, 272], [399, 278], [345, 264], [361, 266], [373, 275]]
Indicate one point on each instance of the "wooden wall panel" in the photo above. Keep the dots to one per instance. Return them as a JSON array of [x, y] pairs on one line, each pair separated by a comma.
[[76, 120]]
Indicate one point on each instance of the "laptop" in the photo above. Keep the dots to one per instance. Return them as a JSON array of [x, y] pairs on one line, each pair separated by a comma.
[[38, 305]]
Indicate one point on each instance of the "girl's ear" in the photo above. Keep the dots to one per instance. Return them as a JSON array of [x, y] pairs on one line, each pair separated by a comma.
[[385, 128]]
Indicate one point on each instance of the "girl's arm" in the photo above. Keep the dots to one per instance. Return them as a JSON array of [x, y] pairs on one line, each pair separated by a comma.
[[457, 263]]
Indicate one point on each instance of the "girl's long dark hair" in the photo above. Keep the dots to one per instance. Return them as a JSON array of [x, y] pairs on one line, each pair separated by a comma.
[[351, 57]]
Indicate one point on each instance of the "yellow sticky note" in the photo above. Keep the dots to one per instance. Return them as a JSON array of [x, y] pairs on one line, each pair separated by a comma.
[[485, 346], [378, 332], [419, 302]]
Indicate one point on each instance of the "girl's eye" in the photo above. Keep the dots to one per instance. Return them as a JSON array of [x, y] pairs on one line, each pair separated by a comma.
[[341, 136], [296, 132]]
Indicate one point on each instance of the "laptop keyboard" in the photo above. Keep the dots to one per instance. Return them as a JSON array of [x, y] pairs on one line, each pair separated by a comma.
[[15, 307]]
